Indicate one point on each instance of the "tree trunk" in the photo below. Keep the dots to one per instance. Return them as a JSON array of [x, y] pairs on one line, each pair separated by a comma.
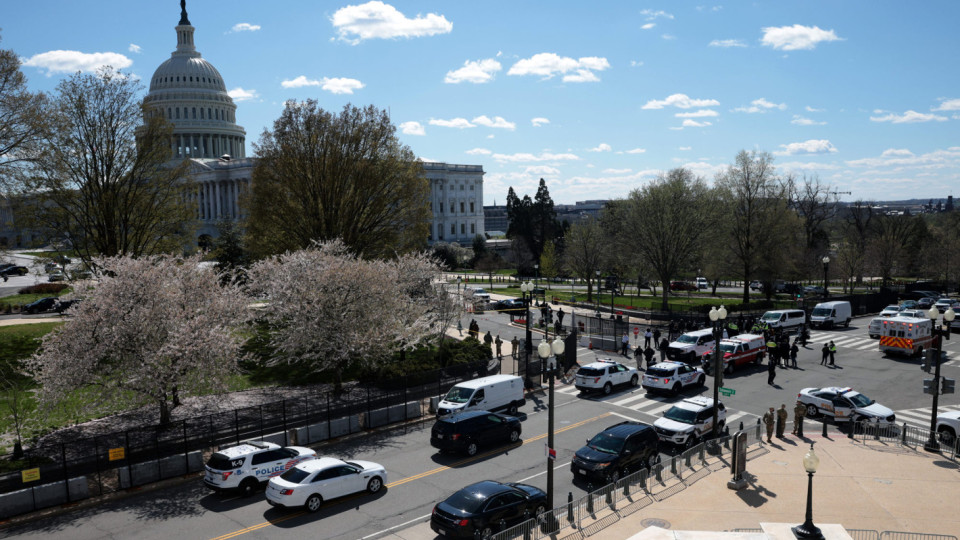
[[176, 397], [164, 411]]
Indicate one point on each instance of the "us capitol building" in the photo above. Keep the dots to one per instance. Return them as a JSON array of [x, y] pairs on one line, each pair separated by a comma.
[[189, 91]]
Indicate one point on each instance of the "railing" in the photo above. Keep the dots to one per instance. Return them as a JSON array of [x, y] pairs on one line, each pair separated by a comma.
[[904, 435]]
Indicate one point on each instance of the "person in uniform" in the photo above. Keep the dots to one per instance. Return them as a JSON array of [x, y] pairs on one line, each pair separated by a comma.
[[781, 420], [499, 344], [793, 353], [825, 354], [833, 352], [514, 345], [648, 355], [799, 411], [771, 371], [768, 420]]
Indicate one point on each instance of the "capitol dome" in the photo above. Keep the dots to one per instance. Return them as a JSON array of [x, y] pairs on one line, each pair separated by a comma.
[[191, 94]]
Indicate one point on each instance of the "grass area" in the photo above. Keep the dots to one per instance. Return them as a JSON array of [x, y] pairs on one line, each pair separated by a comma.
[[24, 299]]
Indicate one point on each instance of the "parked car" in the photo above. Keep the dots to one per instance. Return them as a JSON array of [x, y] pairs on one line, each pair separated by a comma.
[[690, 347], [51, 267], [604, 375], [249, 465], [15, 271], [672, 377], [844, 404], [466, 432], [682, 286], [689, 421], [918, 294], [948, 426], [617, 451], [813, 290], [702, 283], [481, 294], [479, 510], [909, 304], [510, 305], [63, 305], [56, 275], [756, 285], [890, 311], [310, 483], [42, 305], [944, 304], [926, 302]]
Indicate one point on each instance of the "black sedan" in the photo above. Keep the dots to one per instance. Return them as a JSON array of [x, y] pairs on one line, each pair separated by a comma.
[[15, 271], [478, 509], [39, 306], [510, 305]]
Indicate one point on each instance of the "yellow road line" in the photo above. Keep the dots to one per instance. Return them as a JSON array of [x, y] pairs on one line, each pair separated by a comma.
[[415, 477]]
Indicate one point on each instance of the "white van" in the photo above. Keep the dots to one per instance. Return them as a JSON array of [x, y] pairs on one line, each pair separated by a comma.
[[788, 319], [486, 393], [830, 314], [702, 283]]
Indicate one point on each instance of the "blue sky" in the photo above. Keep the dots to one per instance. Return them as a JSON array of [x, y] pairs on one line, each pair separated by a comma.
[[595, 97]]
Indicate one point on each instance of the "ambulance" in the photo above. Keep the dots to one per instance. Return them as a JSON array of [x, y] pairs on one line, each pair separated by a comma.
[[905, 335]]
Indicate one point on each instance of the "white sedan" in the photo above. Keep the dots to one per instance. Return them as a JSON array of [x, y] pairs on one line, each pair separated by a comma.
[[890, 311], [310, 483], [844, 404]]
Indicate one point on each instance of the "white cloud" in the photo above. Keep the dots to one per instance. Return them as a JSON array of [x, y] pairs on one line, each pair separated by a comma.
[[681, 101], [616, 171], [648, 26], [685, 148], [948, 159], [480, 71], [796, 37], [811, 109], [896, 152], [636, 151], [240, 94], [543, 156], [726, 43], [668, 37], [694, 123], [134, 48], [335, 85], [245, 27], [479, 152], [804, 121], [602, 147], [807, 166], [541, 170], [761, 106], [549, 65], [459, 123], [651, 14], [539, 121], [412, 128], [909, 117], [812, 146], [945, 105], [497, 122], [73, 61], [635, 63], [377, 20], [702, 113]]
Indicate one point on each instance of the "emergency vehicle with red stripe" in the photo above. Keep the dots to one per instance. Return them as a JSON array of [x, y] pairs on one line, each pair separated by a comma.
[[906, 335]]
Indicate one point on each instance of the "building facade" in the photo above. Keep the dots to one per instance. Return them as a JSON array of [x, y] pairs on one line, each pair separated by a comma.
[[456, 201]]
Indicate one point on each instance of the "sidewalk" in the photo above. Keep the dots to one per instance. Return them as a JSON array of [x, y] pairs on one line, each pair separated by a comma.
[[871, 485]]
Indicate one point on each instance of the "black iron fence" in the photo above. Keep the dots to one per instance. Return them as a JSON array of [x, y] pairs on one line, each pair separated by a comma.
[[52, 474]]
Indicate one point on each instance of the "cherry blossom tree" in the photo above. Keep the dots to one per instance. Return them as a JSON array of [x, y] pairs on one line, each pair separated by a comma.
[[329, 309], [153, 330]]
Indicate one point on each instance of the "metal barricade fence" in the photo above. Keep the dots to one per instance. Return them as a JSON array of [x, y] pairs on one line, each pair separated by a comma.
[[904, 435], [897, 535]]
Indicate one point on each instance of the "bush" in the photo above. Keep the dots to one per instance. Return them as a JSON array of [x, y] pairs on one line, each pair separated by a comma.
[[43, 288]]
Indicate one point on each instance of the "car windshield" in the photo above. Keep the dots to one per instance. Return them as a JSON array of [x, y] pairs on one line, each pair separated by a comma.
[[770, 316], [687, 339], [821, 312], [458, 395], [657, 372], [892, 308], [605, 442], [466, 501], [685, 416], [220, 462], [295, 475], [859, 400], [727, 347], [944, 302]]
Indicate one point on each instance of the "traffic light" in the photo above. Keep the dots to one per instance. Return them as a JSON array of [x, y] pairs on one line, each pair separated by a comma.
[[948, 386], [929, 387], [926, 360]]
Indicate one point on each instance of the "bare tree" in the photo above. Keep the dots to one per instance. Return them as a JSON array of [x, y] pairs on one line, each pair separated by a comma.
[[17, 406], [888, 245], [22, 121], [584, 253], [815, 204]]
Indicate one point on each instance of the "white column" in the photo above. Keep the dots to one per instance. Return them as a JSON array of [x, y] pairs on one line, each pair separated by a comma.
[[218, 212]]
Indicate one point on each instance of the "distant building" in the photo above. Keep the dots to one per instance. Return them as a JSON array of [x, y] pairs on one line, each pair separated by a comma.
[[456, 200]]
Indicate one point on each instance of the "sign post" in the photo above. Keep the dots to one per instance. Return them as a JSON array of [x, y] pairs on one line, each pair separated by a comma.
[[738, 463], [727, 392]]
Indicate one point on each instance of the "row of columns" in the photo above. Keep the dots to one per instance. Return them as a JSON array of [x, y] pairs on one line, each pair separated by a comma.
[[218, 199], [207, 145]]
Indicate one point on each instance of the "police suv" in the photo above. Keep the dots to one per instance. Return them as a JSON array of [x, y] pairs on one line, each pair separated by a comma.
[[688, 421], [672, 377], [249, 465], [604, 375]]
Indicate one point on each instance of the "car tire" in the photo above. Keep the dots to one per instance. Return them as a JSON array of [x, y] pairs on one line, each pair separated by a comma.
[[607, 388], [247, 487], [314, 502], [375, 484], [812, 411], [702, 380], [539, 511], [846, 324], [947, 436], [514, 435], [692, 441], [634, 381], [471, 448], [486, 533], [613, 477], [728, 369], [513, 409], [676, 388]]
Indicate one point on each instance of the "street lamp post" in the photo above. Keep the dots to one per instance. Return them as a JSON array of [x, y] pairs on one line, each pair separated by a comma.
[[544, 350], [808, 530], [525, 288], [598, 294], [717, 317], [939, 333], [826, 266]]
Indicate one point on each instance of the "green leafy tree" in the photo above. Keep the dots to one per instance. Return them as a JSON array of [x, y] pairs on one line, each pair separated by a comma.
[[549, 262], [584, 253], [323, 176]]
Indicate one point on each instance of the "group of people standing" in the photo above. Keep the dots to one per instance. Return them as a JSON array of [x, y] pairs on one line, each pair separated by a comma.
[[778, 420]]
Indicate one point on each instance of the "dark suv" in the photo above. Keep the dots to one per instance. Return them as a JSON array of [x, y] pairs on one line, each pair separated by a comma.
[[466, 431], [619, 450]]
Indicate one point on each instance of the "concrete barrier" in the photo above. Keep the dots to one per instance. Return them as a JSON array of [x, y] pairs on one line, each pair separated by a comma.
[[344, 426], [42, 496], [16, 502]]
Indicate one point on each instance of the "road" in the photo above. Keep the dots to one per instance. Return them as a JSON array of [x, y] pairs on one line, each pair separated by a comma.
[[419, 477]]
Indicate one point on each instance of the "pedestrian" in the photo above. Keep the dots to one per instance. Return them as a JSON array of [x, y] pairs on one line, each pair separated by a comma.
[[793, 353], [648, 355], [784, 348], [799, 411], [825, 354], [656, 336], [768, 420], [772, 351], [664, 345], [638, 356], [460, 327], [833, 352], [781, 420], [560, 315], [499, 343], [488, 339], [625, 345], [514, 346], [771, 371], [647, 336]]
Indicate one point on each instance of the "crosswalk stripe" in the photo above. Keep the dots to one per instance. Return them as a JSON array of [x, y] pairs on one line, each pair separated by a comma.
[[622, 402], [910, 415], [566, 389], [868, 346], [735, 416], [655, 411]]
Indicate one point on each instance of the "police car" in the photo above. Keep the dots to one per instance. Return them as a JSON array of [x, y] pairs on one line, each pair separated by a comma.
[[844, 404], [687, 422], [672, 377], [247, 466], [604, 375]]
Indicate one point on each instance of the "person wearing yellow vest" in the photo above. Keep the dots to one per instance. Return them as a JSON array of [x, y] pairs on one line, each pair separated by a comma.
[[833, 352]]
